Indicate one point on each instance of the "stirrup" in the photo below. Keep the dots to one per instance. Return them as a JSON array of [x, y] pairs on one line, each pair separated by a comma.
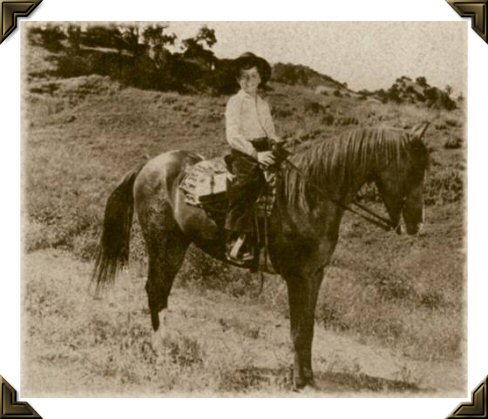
[[233, 253]]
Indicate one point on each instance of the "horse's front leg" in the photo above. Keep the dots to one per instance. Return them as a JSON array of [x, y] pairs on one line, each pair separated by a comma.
[[302, 298]]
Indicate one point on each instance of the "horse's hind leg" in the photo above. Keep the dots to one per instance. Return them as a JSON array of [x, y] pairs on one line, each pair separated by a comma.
[[166, 247]]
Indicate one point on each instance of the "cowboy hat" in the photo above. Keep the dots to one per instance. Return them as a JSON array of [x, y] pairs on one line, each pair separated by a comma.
[[249, 60]]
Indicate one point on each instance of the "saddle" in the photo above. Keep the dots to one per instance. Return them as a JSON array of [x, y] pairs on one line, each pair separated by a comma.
[[205, 185]]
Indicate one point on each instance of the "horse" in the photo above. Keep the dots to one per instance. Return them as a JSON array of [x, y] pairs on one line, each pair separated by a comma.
[[303, 227]]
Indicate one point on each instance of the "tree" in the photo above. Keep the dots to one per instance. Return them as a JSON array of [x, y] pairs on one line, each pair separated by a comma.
[[130, 39], [51, 36], [448, 90], [195, 47], [421, 81], [197, 61], [393, 94], [74, 38], [34, 34], [205, 36], [154, 37], [431, 95], [103, 36]]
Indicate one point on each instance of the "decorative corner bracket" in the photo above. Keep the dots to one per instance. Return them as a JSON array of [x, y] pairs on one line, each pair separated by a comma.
[[477, 10], [10, 11], [477, 408], [10, 408]]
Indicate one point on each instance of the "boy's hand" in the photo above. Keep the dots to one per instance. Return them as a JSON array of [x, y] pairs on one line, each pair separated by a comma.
[[266, 158], [280, 153]]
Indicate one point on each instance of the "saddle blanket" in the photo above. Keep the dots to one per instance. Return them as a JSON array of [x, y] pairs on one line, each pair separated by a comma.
[[205, 184]]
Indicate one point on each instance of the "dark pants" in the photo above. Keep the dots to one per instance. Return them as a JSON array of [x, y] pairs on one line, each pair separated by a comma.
[[245, 189]]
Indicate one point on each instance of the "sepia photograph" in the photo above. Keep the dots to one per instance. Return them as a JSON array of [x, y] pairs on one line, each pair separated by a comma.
[[244, 209]]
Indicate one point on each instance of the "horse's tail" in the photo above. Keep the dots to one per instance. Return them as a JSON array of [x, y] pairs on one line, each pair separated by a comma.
[[113, 250]]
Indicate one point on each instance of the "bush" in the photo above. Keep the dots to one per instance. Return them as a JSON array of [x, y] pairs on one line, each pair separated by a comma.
[[313, 107], [453, 142], [328, 119], [73, 66], [289, 74], [51, 38], [443, 187]]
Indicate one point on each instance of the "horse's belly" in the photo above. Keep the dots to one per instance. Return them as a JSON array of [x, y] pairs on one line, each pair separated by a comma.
[[194, 222]]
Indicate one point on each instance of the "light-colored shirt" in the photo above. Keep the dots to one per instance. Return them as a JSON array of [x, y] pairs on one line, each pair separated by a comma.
[[247, 118]]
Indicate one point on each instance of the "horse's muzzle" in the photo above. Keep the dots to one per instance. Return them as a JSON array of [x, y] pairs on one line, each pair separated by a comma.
[[416, 229], [411, 230]]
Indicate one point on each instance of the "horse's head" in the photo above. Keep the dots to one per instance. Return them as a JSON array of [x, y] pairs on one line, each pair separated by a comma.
[[400, 184]]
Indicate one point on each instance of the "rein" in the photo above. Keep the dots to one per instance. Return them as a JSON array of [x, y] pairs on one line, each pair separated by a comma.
[[377, 220]]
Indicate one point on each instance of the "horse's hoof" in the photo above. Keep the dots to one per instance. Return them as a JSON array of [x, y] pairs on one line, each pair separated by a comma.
[[303, 384], [304, 389], [159, 340]]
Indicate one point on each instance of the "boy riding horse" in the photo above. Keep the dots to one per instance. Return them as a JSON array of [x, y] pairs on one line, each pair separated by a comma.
[[251, 133]]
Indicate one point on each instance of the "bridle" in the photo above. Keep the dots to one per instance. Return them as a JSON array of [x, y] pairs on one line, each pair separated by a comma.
[[376, 219]]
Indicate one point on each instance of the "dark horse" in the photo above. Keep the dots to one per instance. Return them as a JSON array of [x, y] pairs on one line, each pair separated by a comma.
[[304, 225]]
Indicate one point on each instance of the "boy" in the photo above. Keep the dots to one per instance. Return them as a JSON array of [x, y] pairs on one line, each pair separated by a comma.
[[250, 132]]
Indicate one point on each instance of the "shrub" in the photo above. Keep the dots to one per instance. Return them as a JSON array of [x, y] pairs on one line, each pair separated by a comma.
[[313, 107], [328, 119], [453, 142], [185, 352], [451, 122], [51, 38], [73, 66], [443, 187], [282, 112]]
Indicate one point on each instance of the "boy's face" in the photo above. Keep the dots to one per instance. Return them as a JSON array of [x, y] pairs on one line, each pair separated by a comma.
[[249, 80]]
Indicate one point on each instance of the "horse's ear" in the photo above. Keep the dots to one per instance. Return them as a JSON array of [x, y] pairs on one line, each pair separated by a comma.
[[419, 129]]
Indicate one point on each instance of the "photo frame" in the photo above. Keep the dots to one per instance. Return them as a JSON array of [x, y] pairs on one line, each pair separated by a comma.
[[472, 381]]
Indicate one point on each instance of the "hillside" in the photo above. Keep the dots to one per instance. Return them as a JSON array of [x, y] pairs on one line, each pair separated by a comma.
[[296, 74], [83, 133], [146, 57]]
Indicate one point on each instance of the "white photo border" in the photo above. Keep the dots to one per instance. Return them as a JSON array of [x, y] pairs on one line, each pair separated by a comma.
[[374, 10]]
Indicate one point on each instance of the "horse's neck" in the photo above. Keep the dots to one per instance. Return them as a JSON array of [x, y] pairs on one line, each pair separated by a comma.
[[340, 190], [331, 194], [323, 219]]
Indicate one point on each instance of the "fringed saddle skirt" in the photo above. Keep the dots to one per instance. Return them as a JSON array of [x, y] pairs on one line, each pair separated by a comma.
[[205, 185]]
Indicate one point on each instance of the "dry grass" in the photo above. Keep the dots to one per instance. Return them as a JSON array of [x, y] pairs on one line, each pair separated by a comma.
[[77, 345]]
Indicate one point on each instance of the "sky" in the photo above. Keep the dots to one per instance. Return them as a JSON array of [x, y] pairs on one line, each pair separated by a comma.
[[365, 55]]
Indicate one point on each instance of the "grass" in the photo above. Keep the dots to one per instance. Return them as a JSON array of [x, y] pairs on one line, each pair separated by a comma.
[[75, 344], [84, 133]]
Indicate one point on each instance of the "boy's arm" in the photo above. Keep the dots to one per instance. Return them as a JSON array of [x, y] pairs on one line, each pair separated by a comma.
[[232, 133]]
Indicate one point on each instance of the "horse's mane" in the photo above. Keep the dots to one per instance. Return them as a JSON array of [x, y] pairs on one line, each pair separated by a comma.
[[340, 163]]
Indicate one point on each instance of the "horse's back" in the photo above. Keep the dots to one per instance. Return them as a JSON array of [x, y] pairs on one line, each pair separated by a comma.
[[158, 196], [161, 173]]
